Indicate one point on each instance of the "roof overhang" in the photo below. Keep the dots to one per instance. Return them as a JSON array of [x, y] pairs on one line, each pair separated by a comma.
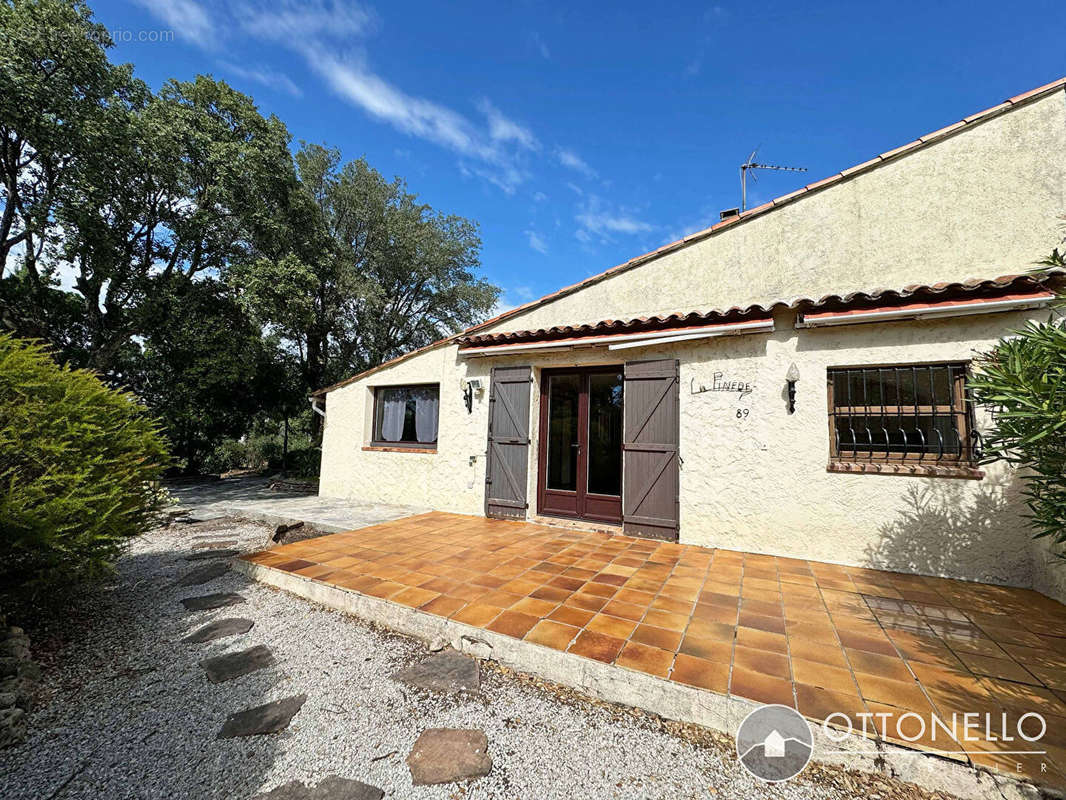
[[1034, 297], [920, 301], [624, 341]]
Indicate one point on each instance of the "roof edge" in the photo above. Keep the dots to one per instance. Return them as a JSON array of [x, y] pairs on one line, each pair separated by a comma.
[[391, 362], [1054, 277], [891, 155]]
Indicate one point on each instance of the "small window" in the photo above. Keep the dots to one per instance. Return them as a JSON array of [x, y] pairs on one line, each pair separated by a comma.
[[406, 416], [913, 414]]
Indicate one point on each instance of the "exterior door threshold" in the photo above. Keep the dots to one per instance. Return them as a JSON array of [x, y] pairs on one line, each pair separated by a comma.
[[576, 524]]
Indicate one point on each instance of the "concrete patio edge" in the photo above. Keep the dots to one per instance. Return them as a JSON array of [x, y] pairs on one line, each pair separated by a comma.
[[665, 698]]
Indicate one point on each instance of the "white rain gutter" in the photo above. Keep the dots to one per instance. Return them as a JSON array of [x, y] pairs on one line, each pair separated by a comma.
[[955, 310], [316, 409], [621, 341]]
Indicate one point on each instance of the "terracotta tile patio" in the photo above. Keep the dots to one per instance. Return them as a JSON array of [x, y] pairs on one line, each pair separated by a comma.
[[819, 637]]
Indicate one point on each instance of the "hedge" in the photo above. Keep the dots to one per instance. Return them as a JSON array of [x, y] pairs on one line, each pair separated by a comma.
[[79, 468]]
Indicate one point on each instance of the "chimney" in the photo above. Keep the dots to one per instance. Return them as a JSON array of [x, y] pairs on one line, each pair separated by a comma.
[[729, 213]]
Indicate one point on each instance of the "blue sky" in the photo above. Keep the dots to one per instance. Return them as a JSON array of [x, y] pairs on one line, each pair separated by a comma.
[[581, 136]]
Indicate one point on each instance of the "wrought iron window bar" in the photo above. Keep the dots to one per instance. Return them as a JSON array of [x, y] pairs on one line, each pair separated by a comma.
[[919, 413]]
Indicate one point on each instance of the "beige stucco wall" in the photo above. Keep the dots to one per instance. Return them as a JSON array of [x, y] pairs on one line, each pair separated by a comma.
[[982, 203], [756, 483]]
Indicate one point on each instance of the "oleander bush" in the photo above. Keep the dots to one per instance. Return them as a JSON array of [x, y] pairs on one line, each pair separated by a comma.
[[80, 465], [1022, 380]]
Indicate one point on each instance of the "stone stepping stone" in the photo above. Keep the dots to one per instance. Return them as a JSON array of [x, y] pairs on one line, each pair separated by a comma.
[[267, 718], [331, 788], [445, 755], [203, 554], [208, 601], [224, 668], [219, 629], [447, 671], [201, 575], [214, 545]]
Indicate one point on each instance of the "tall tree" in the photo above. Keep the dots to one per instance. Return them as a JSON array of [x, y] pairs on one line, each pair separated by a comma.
[[368, 273], [115, 188], [204, 368], [59, 95], [56, 85], [185, 186]]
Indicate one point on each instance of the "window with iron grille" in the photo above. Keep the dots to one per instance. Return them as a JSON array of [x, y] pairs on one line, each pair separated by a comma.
[[914, 413]]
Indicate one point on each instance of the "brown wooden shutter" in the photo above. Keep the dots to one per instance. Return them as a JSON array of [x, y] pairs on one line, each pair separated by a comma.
[[508, 451], [650, 472]]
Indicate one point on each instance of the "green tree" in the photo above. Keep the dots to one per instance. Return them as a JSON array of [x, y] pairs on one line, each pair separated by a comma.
[[56, 88], [115, 187], [191, 183], [367, 273], [1022, 381], [205, 370], [78, 466], [59, 98]]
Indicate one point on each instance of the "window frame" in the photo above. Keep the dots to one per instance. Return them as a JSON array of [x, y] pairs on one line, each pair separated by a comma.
[[954, 464], [377, 443]]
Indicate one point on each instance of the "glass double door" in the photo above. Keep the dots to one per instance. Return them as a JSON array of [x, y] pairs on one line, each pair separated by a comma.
[[581, 444]]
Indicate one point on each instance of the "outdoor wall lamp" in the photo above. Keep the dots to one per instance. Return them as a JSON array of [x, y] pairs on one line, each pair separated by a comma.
[[791, 378], [470, 388]]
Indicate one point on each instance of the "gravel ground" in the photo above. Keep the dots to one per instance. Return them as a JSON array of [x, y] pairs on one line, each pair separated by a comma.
[[131, 715]]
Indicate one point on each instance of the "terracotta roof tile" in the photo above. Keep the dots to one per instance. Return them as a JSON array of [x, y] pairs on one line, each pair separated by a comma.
[[810, 187], [915, 296], [861, 167], [1018, 98], [946, 130], [898, 151], [787, 197], [988, 112]]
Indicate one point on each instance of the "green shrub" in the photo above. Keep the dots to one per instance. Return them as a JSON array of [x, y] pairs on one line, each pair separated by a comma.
[[305, 462], [79, 468], [263, 448], [1023, 382], [228, 454]]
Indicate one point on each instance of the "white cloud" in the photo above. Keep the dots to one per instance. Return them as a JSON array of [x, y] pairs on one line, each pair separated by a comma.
[[265, 77], [694, 67], [603, 222], [502, 307], [600, 222], [507, 178], [540, 46], [297, 24], [703, 219], [539, 197], [536, 242], [327, 33], [503, 129], [571, 160], [186, 18], [414, 115]]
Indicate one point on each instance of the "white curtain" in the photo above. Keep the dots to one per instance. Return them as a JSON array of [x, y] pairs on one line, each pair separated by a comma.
[[392, 415], [427, 402]]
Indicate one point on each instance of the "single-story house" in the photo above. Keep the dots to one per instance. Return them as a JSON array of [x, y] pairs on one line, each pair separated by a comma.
[[790, 381]]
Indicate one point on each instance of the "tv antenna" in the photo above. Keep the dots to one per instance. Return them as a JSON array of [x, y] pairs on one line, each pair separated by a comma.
[[752, 164]]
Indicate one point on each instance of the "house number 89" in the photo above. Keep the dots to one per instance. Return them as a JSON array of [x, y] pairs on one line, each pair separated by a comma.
[[742, 412]]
